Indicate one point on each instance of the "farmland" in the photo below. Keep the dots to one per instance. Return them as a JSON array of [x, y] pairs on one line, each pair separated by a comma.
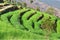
[[27, 23]]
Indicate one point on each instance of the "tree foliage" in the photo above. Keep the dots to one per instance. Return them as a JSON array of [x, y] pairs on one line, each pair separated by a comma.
[[50, 10], [31, 1], [38, 8], [48, 25]]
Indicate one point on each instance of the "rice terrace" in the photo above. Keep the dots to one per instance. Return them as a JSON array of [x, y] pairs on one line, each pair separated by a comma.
[[19, 22]]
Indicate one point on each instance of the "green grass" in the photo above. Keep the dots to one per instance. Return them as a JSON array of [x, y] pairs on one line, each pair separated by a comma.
[[5, 16], [58, 26], [26, 24], [24, 18], [9, 32], [15, 18]]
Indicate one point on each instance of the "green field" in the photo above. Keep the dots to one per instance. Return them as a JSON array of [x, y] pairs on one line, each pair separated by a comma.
[[26, 24]]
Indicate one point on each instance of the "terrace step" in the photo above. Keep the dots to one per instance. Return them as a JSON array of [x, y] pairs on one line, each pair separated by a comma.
[[5, 9]]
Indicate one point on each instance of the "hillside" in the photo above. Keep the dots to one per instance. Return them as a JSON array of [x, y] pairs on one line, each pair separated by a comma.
[[27, 24]]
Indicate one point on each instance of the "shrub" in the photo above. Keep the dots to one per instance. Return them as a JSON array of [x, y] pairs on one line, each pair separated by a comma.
[[48, 25], [50, 10], [24, 4], [31, 1], [38, 8]]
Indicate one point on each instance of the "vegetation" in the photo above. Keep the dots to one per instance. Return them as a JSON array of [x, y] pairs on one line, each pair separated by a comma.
[[38, 8], [35, 22], [31, 1], [9, 32], [26, 23], [24, 4], [50, 10]]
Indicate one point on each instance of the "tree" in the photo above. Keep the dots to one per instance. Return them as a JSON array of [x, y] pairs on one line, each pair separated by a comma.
[[38, 8], [24, 4], [48, 25], [50, 10], [31, 1]]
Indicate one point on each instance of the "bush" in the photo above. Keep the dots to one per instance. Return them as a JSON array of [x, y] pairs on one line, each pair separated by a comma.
[[38, 8], [50, 10], [48, 25], [24, 4], [31, 1]]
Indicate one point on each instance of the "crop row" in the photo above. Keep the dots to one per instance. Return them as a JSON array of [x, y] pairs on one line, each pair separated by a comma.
[[30, 20]]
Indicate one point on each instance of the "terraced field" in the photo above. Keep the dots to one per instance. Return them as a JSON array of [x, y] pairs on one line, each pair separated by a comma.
[[26, 23]]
